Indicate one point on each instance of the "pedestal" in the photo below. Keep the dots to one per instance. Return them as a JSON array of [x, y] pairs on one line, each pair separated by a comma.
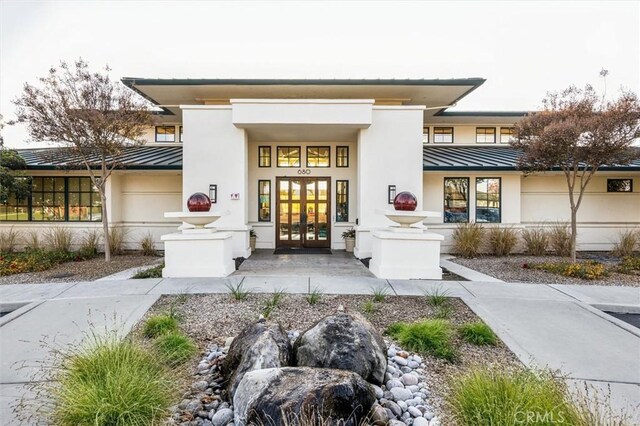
[[198, 253], [406, 253]]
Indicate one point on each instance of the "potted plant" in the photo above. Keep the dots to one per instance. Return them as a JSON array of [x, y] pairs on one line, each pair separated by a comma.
[[349, 239], [252, 239]]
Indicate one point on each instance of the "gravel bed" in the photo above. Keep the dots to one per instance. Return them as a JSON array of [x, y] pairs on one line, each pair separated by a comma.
[[510, 269], [212, 319], [86, 270]]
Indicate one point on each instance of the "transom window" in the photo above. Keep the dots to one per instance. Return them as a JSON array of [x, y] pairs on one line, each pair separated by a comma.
[[264, 156], [342, 201], [485, 135], [456, 200], [165, 133], [488, 200], [264, 201], [342, 156], [506, 134], [288, 156], [318, 156], [443, 134], [619, 185]]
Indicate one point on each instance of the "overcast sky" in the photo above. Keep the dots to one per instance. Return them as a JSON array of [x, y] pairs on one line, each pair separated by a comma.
[[522, 49]]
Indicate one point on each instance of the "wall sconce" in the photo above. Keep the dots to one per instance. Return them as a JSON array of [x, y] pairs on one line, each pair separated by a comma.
[[391, 193], [213, 193]]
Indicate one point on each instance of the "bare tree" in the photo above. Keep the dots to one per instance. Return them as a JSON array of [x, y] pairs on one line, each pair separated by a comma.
[[93, 117], [12, 179], [577, 133]]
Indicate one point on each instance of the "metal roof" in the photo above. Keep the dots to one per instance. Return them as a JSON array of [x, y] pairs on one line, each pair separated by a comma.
[[133, 158], [484, 158]]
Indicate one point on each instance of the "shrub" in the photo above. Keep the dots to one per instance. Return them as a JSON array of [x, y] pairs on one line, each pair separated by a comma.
[[33, 261], [478, 333], [90, 242], [160, 324], [314, 296], [629, 265], [444, 311], [560, 239], [147, 247], [467, 239], [32, 240], [174, 348], [58, 238], [110, 382], [437, 297], [502, 240], [117, 236], [238, 291], [379, 293], [369, 307], [536, 241], [626, 243], [432, 336], [491, 396], [155, 272], [589, 270], [8, 240]]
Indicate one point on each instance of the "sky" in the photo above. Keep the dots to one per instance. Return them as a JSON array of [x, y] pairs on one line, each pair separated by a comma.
[[523, 49]]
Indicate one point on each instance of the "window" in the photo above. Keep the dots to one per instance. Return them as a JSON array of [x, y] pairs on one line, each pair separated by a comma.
[[56, 199], [506, 134], [425, 135], [485, 135], [181, 133], [264, 156], [288, 156], [443, 134], [165, 133], [342, 201], [456, 200], [318, 156], [264, 201], [342, 156], [619, 185], [488, 200]]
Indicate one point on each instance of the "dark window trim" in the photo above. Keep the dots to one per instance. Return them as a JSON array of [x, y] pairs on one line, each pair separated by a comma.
[[425, 132], [499, 196], [486, 128], [260, 181], [180, 133], [306, 153], [443, 127], [174, 134], [289, 167], [630, 185], [346, 181], [338, 157], [260, 157], [444, 195]]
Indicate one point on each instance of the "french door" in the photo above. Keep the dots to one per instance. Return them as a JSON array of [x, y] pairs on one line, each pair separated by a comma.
[[303, 206]]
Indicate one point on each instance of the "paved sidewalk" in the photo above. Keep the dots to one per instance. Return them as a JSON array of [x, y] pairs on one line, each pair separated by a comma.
[[544, 325]]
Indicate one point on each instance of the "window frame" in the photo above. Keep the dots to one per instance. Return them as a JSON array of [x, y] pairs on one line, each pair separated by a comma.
[[499, 197], [510, 134], [168, 126], [260, 194], [306, 153], [260, 156], [338, 156], [620, 179], [180, 133], [444, 199], [435, 128], [485, 128], [346, 194], [426, 134], [287, 166]]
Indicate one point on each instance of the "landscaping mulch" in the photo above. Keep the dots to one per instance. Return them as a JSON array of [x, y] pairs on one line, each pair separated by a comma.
[[510, 269], [86, 270], [213, 318]]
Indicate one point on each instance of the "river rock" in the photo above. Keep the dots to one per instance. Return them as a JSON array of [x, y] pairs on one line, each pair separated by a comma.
[[258, 346], [285, 395], [345, 341], [222, 417]]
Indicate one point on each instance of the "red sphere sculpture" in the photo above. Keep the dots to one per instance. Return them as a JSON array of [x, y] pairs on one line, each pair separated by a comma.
[[199, 202], [405, 201]]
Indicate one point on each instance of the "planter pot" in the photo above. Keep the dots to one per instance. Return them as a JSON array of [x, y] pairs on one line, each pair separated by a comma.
[[349, 243], [252, 243]]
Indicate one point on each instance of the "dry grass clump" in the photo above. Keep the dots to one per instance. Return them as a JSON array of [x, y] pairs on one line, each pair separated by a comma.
[[536, 241], [58, 238], [560, 239], [8, 240], [147, 247], [117, 236], [627, 242], [468, 239], [502, 240]]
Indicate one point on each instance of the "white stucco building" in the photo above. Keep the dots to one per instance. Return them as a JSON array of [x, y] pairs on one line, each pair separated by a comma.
[[301, 161]]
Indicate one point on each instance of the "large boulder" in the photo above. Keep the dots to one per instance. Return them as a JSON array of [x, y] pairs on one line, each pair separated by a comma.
[[346, 342], [260, 345], [302, 395]]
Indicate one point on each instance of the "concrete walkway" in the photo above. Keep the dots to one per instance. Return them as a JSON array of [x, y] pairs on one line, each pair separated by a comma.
[[544, 325]]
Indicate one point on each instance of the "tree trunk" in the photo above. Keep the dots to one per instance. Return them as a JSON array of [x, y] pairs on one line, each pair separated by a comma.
[[105, 225], [574, 232]]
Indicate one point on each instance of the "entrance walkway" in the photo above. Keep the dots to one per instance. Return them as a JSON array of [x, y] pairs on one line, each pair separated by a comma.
[[340, 263]]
